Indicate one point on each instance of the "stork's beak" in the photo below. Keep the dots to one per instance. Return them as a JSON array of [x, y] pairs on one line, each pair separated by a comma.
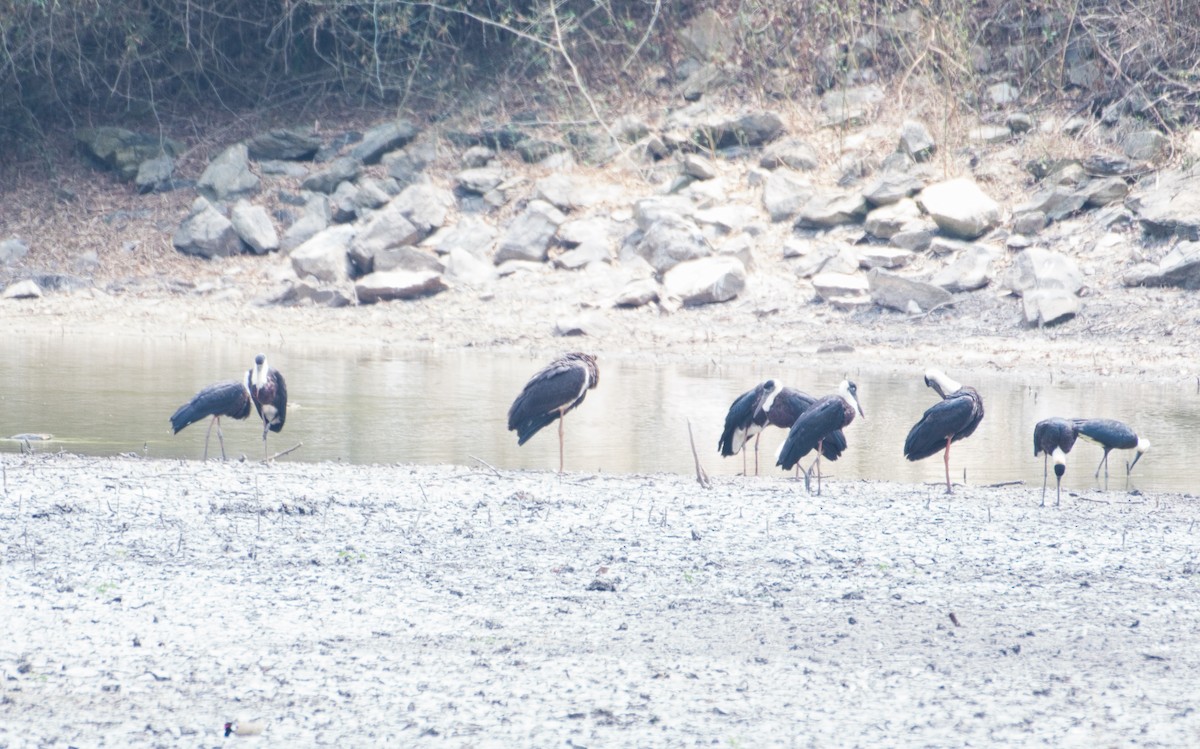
[[860, 411], [1129, 466]]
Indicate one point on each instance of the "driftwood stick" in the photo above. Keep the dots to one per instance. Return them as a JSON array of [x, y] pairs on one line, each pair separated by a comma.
[[483, 462], [280, 454]]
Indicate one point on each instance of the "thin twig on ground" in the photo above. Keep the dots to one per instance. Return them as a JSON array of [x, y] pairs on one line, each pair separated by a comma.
[[280, 454], [701, 476], [483, 462]]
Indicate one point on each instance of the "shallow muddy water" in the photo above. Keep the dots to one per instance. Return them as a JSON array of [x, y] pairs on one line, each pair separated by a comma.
[[390, 406]]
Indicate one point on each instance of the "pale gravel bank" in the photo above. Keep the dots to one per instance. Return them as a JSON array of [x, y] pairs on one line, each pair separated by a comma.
[[145, 603]]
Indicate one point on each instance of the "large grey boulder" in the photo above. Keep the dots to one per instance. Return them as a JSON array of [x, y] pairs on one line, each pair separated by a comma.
[[303, 293], [824, 257], [706, 280], [406, 258], [784, 193], [528, 236], [206, 233], [1180, 267], [315, 217], [648, 211], [26, 289], [398, 284], [851, 106], [792, 153], [228, 176], [283, 145], [1169, 204], [253, 224], [12, 250], [844, 290], [708, 37], [1056, 203], [407, 164], [123, 150], [1043, 307], [341, 169], [637, 293], [888, 220], [1037, 268], [916, 141], [425, 205], [383, 138], [480, 180], [905, 294], [891, 187], [471, 234], [971, 271], [155, 174], [325, 256], [752, 129], [670, 241], [388, 227], [465, 267], [826, 210], [960, 208]]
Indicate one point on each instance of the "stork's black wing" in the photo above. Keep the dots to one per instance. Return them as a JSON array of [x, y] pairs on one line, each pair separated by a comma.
[[1107, 432], [739, 420], [1049, 434], [279, 401], [834, 445], [553, 391], [228, 398], [953, 418], [788, 406], [825, 416]]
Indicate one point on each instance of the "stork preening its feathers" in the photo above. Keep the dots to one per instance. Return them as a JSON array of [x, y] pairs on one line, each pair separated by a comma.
[[746, 418], [269, 392], [230, 398], [553, 391], [1054, 437], [953, 418], [1112, 435], [818, 424]]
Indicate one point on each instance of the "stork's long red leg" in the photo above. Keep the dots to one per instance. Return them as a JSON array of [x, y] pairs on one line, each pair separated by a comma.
[[948, 489]]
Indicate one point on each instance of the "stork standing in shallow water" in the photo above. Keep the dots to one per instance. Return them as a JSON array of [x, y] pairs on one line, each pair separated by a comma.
[[1112, 435], [552, 391], [230, 398], [268, 391], [817, 424], [954, 418], [746, 418], [1055, 437]]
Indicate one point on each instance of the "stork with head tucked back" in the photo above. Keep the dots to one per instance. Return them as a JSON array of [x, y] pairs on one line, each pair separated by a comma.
[[269, 393], [953, 418], [230, 398], [818, 424], [552, 391], [1112, 435], [1055, 437], [746, 418]]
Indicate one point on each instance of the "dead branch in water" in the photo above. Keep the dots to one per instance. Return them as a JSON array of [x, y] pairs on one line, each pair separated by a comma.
[[280, 454]]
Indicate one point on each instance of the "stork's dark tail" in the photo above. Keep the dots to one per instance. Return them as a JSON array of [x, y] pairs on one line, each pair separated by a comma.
[[222, 399], [531, 426]]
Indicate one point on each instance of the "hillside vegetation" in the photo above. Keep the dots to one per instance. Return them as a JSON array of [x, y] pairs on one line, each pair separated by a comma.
[[69, 62]]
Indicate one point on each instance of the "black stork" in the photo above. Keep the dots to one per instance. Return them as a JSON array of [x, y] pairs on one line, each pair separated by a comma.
[[268, 391], [817, 424], [953, 418], [553, 391], [746, 418], [1112, 435], [230, 398], [1054, 437]]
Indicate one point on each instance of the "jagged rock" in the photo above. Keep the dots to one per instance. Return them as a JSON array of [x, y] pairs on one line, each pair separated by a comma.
[[630, 128], [407, 164], [784, 193], [325, 256], [637, 293], [874, 256], [476, 157], [792, 153], [283, 145], [344, 202], [851, 106], [228, 176], [583, 256], [887, 220], [1180, 267], [1019, 122], [282, 168], [121, 150], [154, 175], [1107, 165], [1028, 222], [825, 210], [826, 257], [592, 230], [388, 227], [960, 208], [1036, 268], [534, 150], [339, 170], [528, 236], [27, 289], [12, 250], [1145, 145], [672, 240], [990, 134], [969, 272], [472, 235], [706, 280], [315, 218], [407, 259], [465, 267], [1169, 204], [904, 294], [649, 211], [1002, 94], [398, 284], [708, 37], [425, 205], [1102, 192], [303, 293], [1056, 203], [569, 192], [752, 129], [915, 236], [726, 218], [892, 187], [699, 167], [481, 180], [382, 138], [846, 290], [253, 224], [916, 141], [206, 233], [374, 193], [329, 151], [1044, 307]]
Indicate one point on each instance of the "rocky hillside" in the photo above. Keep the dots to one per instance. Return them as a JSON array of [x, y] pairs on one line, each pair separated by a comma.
[[860, 199]]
